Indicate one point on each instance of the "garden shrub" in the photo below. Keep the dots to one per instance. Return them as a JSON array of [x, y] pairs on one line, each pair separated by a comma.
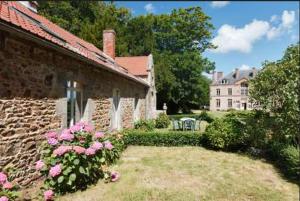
[[239, 130], [8, 191], [204, 116], [145, 125], [225, 133], [286, 157], [76, 158], [170, 138], [162, 121]]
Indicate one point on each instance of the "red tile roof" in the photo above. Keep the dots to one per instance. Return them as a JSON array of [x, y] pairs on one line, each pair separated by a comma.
[[17, 15], [136, 65]]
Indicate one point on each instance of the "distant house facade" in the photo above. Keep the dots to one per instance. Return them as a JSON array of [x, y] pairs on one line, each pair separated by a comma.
[[231, 91], [51, 79]]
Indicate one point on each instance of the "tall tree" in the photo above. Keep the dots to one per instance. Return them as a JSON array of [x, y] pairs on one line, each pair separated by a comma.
[[276, 88], [176, 40]]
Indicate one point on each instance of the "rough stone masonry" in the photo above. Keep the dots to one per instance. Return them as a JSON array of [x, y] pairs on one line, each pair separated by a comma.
[[33, 99]]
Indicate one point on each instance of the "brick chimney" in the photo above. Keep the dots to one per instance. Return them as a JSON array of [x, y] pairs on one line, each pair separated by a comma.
[[219, 75], [214, 76], [237, 73], [109, 43]]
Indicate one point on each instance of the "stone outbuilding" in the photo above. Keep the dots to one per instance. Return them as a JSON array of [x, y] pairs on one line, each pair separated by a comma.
[[50, 79]]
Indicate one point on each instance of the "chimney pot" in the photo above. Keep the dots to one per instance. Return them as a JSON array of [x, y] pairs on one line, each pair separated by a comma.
[[109, 43]]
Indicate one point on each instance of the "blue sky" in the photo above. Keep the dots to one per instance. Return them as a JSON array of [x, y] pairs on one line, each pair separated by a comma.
[[247, 33]]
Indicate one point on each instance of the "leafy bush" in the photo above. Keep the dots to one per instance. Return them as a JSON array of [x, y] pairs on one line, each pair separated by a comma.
[[225, 133], [8, 191], [170, 138], [204, 116], [239, 130], [162, 121], [145, 125], [286, 157], [76, 158]]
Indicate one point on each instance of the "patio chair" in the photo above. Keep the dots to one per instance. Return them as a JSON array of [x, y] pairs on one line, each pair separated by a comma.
[[176, 125], [189, 125], [197, 125]]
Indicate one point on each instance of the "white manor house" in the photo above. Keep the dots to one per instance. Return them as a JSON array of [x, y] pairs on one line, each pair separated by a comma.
[[231, 91]]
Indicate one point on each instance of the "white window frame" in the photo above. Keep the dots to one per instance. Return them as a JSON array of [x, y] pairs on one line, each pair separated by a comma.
[[73, 90], [218, 91]]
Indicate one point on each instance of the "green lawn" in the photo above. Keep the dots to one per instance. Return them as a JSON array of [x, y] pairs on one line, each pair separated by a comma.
[[189, 173]]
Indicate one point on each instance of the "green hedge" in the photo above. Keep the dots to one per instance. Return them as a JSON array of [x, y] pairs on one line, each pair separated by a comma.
[[170, 138]]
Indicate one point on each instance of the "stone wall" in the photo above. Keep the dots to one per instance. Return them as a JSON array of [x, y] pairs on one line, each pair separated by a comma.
[[33, 99]]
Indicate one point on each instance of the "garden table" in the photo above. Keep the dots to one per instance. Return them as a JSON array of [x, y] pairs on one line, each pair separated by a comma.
[[188, 123]]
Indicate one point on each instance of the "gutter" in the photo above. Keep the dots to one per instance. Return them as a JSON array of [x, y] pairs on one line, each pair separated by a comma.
[[43, 42]]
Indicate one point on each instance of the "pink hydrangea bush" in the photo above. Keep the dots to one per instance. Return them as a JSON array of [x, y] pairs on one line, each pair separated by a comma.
[[73, 159], [8, 191]]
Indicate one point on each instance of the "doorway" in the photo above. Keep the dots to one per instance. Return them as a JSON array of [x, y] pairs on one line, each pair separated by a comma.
[[244, 106]]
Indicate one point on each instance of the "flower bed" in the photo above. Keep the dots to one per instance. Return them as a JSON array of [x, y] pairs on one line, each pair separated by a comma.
[[7, 189], [77, 158]]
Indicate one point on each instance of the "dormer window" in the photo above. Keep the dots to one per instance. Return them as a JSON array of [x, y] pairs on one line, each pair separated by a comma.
[[224, 81], [251, 74], [234, 76]]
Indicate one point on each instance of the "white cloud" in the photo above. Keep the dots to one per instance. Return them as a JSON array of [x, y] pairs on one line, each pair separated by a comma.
[[241, 39], [244, 67], [149, 8], [274, 18], [230, 38], [219, 4], [287, 21], [288, 18]]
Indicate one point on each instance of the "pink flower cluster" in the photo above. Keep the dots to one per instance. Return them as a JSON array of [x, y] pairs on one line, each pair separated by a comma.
[[39, 165], [90, 151], [55, 170], [99, 135], [82, 126], [114, 176], [79, 149], [48, 195], [3, 198], [108, 145], [97, 146], [4, 182], [66, 135], [61, 150], [52, 138]]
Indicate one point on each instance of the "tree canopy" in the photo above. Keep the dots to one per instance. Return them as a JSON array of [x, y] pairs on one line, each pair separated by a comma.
[[276, 88], [176, 40]]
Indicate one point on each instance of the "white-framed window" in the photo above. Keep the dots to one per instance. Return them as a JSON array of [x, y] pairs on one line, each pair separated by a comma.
[[74, 102], [136, 107], [230, 103], [244, 88], [224, 81], [116, 117], [230, 91], [218, 92], [218, 103]]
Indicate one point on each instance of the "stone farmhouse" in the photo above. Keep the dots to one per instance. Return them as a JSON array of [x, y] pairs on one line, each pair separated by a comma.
[[231, 91], [50, 79]]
